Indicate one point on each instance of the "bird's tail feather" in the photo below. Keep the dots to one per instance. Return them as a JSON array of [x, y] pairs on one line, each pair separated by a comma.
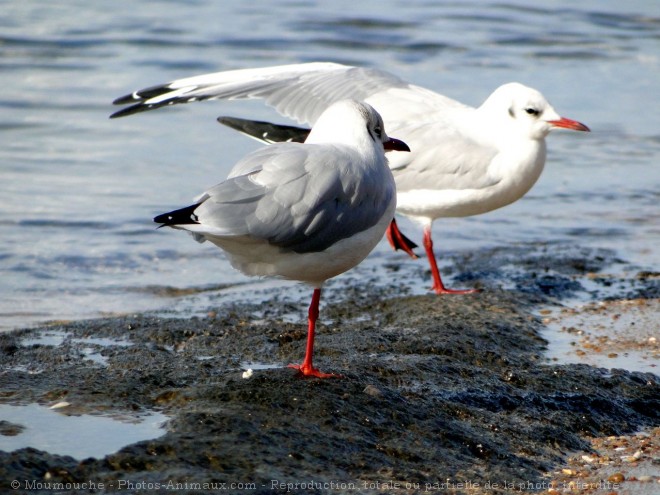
[[182, 216]]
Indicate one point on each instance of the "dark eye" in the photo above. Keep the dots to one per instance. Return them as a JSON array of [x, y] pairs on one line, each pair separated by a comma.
[[379, 132], [532, 111]]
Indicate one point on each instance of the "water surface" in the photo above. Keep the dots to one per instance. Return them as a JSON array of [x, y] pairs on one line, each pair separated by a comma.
[[79, 190]]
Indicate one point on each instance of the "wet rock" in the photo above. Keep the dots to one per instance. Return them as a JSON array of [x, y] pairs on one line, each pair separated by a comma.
[[9, 429], [434, 388]]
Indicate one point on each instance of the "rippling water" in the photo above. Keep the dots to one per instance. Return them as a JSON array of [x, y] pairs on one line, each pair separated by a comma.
[[78, 191]]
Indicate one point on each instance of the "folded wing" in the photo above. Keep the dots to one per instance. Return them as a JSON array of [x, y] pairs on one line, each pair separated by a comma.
[[295, 199]]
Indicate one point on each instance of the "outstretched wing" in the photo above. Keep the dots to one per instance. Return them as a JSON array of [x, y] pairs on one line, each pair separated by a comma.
[[435, 127], [299, 91]]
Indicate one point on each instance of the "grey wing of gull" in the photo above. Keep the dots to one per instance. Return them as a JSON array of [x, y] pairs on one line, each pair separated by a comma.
[[304, 198], [301, 92]]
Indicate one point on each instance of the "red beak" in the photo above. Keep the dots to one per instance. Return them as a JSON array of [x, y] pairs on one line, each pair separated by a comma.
[[569, 124], [395, 145]]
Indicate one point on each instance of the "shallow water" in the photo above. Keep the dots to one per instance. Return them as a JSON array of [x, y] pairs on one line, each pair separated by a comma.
[[78, 436], [79, 191], [619, 334]]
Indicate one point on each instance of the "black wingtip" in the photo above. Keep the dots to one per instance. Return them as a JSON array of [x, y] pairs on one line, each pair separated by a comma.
[[137, 99], [126, 99], [133, 109], [143, 94], [126, 111], [266, 131], [182, 216]]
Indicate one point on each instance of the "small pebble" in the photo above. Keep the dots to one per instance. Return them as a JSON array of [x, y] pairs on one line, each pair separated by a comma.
[[616, 478], [373, 391], [632, 458], [247, 373], [60, 405], [645, 478]]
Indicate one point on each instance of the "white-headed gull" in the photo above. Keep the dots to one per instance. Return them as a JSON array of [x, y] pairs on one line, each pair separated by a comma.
[[464, 160], [305, 212]]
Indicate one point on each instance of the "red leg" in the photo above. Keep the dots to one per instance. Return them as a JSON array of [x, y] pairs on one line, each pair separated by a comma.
[[400, 241], [438, 286], [306, 367]]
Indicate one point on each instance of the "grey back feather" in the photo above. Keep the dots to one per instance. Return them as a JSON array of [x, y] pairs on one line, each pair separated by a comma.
[[302, 198]]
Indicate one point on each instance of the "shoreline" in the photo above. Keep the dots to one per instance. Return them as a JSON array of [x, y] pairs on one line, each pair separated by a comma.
[[435, 390]]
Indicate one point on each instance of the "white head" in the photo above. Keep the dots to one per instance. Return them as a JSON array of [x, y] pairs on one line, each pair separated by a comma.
[[353, 123], [516, 106]]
